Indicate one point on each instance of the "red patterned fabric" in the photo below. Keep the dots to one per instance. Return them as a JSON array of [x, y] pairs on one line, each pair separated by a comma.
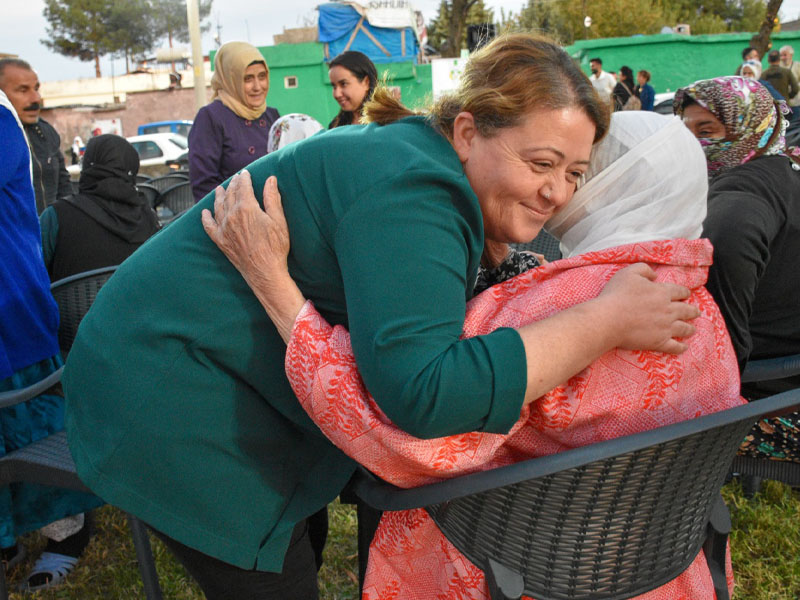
[[623, 392]]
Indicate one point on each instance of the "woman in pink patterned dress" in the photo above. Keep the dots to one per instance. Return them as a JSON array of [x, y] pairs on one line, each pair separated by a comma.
[[625, 213]]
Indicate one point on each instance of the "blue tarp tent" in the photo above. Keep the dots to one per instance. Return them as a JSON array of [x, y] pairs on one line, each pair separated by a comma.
[[342, 27]]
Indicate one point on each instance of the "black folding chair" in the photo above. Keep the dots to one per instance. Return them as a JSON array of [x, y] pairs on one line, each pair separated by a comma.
[[752, 471], [175, 201], [48, 461], [165, 182], [607, 521], [150, 193]]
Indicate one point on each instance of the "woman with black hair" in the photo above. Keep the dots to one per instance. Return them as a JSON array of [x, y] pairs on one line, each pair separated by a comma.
[[623, 91], [353, 77]]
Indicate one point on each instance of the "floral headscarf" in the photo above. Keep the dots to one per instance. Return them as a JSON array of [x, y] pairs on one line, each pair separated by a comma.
[[754, 122], [291, 128]]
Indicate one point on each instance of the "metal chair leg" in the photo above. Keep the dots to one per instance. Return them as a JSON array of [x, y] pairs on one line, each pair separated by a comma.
[[715, 547], [751, 485], [144, 556]]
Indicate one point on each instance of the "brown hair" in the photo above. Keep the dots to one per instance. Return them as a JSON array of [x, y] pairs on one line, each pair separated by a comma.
[[644, 73], [502, 82]]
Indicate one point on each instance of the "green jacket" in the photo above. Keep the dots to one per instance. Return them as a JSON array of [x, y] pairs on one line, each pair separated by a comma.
[[179, 410]]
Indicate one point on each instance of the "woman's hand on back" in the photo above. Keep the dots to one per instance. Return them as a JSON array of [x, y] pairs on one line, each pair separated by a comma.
[[256, 242], [632, 312], [649, 315]]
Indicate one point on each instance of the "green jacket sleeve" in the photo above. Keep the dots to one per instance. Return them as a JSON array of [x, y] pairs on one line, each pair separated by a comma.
[[48, 222], [406, 252]]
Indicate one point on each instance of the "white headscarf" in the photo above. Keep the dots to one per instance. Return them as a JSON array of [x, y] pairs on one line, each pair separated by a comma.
[[291, 128], [647, 181], [754, 65]]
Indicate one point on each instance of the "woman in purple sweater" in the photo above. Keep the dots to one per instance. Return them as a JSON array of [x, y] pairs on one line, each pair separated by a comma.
[[232, 131]]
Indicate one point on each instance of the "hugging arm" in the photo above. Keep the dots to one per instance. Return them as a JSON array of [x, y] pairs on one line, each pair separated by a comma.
[[632, 313]]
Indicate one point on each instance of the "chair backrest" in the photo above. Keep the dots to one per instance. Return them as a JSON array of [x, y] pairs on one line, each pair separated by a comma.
[[142, 178], [544, 243], [178, 198], [607, 521], [769, 369], [74, 296], [150, 192], [167, 181]]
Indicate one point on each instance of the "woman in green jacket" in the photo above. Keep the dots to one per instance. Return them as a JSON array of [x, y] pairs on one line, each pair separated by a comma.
[[179, 410]]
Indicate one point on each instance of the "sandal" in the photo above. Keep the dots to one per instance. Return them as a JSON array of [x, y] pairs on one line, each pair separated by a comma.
[[54, 566], [13, 555]]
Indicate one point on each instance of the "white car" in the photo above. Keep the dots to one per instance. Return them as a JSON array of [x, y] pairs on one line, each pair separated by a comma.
[[155, 149], [663, 103]]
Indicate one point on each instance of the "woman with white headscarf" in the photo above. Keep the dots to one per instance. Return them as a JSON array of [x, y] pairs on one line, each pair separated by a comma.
[[232, 130], [751, 69], [643, 201]]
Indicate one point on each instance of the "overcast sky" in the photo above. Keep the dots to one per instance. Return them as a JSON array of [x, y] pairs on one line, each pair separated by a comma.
[[256, 21]]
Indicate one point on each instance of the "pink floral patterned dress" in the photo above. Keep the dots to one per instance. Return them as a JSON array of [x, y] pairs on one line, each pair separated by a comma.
[[621, 393]]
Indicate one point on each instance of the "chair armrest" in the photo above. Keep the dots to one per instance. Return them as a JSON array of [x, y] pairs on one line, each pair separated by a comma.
[[771, 368], [21, 395]]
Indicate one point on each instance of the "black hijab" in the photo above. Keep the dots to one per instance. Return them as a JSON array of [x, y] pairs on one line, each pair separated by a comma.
[[107, 189]]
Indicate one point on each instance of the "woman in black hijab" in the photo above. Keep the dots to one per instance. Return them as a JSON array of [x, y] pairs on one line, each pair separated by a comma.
[[106, 220]]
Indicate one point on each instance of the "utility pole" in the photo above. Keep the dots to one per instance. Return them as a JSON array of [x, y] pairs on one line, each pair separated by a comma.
[[193, 18]]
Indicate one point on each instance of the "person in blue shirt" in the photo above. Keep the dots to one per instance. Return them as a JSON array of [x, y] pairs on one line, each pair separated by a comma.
[[28, 353], [644, 90]]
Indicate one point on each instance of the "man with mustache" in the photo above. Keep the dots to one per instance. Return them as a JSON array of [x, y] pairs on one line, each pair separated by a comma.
[[50, 178]]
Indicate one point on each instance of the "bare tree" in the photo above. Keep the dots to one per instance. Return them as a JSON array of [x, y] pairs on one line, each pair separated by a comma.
[[761, 41]]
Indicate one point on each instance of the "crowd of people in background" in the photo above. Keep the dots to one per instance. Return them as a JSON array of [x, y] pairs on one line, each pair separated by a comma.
[[745, 203]]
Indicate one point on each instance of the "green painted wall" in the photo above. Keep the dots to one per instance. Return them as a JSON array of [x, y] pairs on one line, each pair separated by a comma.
[[675, 60], [314, 94]]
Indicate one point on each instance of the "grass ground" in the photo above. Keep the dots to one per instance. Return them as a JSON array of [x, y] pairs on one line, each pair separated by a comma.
[[765, 546]]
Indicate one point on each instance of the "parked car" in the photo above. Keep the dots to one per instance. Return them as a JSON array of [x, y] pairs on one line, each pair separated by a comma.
[[663, 103], [156, 150], [179, 127]]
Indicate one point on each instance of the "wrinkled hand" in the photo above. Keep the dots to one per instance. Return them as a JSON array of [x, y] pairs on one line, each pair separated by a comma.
[[651, 316], [256, 242]]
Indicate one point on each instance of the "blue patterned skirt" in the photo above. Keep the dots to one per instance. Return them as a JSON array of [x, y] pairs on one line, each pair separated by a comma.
[[26, 507]]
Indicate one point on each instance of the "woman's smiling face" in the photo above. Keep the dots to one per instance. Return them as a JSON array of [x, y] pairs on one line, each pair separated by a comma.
[[256, 85], [348, 90], [523, 174]]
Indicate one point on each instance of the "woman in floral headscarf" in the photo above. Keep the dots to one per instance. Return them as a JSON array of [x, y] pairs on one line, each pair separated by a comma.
[[291, 128], [753, 222], [231, 131]]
